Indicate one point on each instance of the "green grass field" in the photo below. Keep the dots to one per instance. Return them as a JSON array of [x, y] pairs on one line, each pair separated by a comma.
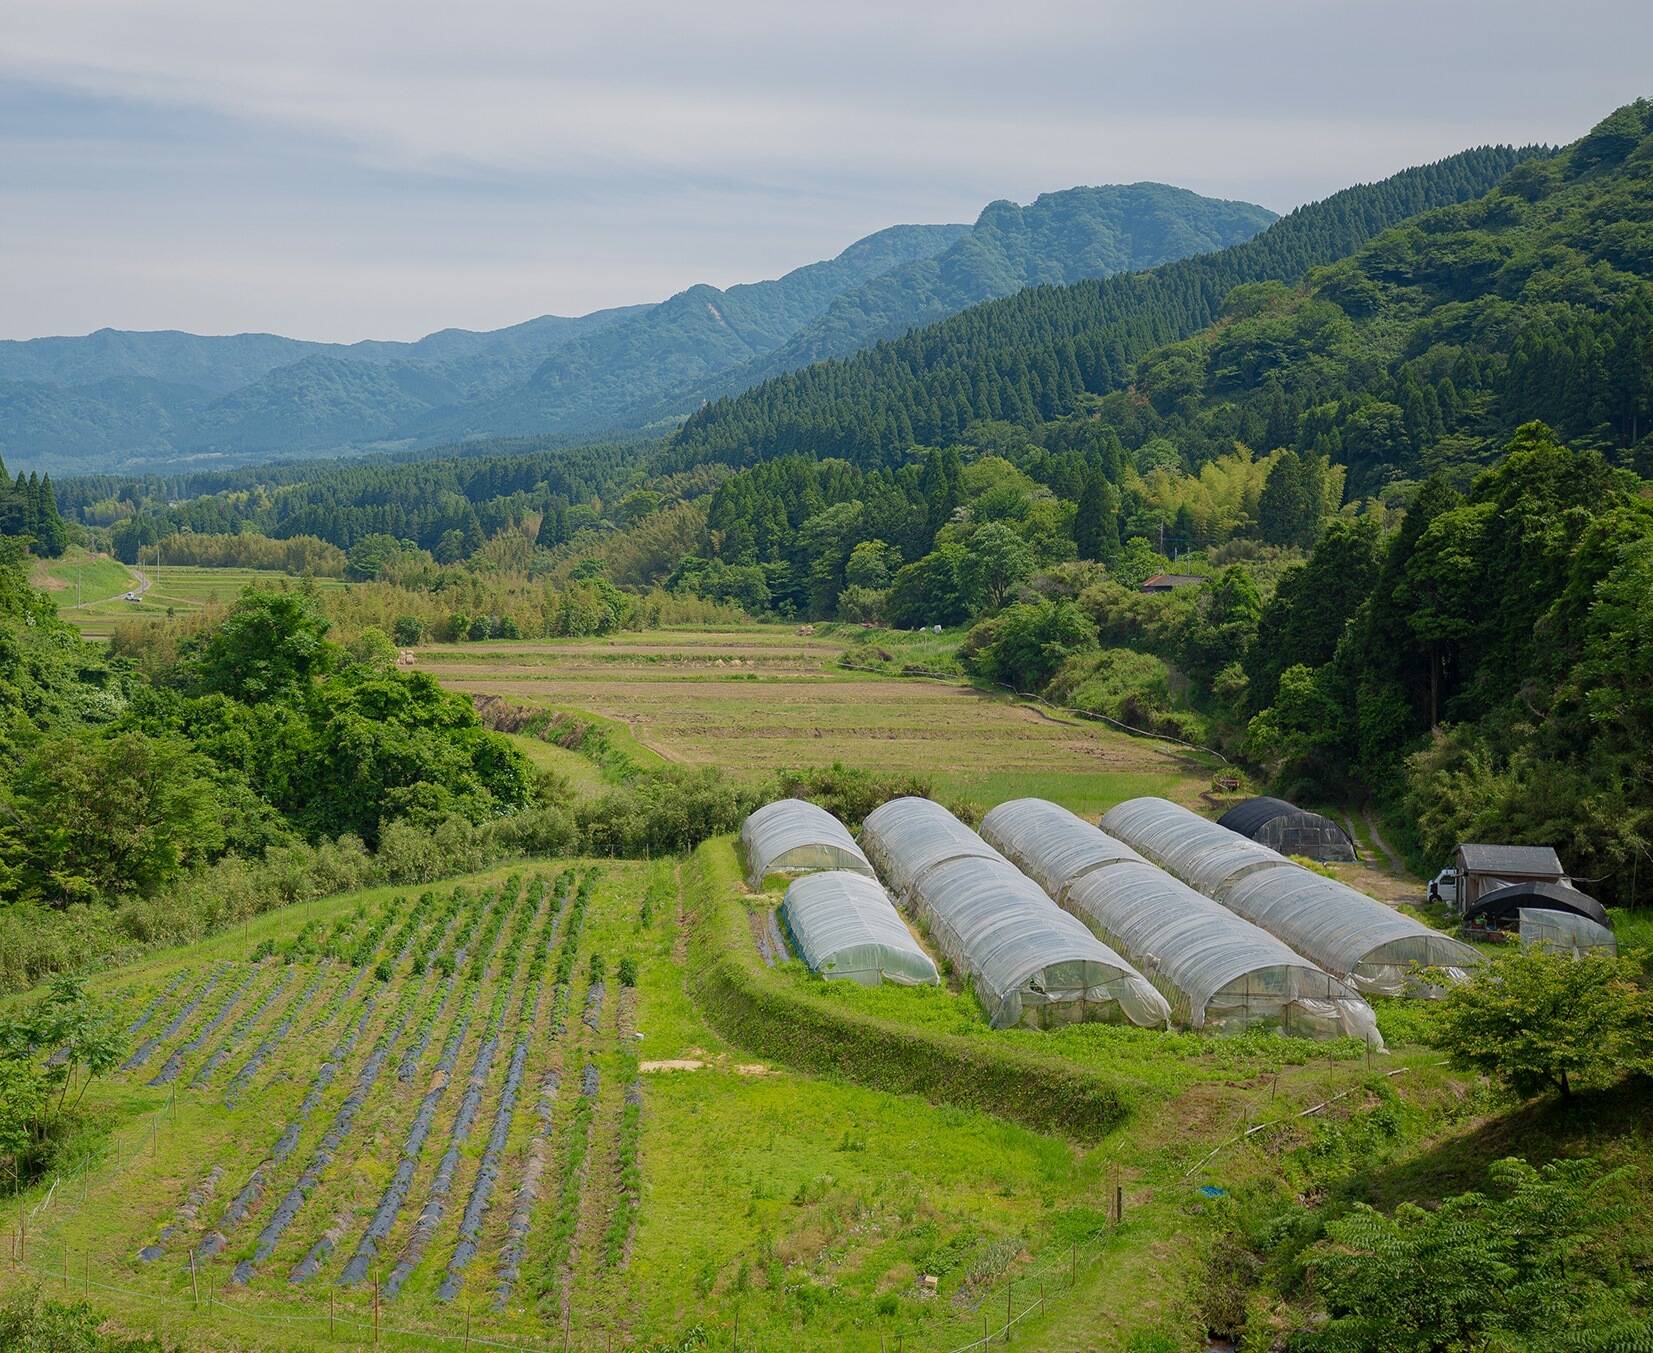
[[103, 582], [806, 1208], [763, 697]]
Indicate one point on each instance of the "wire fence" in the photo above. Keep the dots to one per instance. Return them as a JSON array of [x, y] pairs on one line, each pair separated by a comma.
[[53, 1267]]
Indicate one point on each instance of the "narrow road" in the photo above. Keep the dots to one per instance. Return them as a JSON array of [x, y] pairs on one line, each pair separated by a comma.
[[143, 582]]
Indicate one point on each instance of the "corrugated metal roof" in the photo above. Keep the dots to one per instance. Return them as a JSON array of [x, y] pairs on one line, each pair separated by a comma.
[[1488, 859]]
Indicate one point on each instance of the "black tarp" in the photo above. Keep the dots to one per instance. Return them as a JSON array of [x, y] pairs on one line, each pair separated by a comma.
[[1502, 904], [1288, 829]]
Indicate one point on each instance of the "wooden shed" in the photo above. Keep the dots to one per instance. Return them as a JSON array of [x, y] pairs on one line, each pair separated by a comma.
[[1484, 868]]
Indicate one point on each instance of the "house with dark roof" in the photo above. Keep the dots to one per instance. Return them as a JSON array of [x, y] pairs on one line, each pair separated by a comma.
[[1485, 868], [1169, 582]]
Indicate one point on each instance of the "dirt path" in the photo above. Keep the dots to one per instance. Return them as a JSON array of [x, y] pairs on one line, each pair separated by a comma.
[[1394, 860], [143, 581]]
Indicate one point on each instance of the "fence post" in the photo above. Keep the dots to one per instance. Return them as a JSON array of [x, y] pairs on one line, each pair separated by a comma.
[[375, 1310], [1118, 1204], [194, 1287], [1009, 1288], [332, 1311]]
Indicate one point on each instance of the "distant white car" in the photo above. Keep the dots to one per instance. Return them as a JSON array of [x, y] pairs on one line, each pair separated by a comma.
[[1444, 887]]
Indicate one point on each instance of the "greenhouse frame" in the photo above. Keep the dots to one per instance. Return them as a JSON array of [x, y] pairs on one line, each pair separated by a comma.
[[1029, 962], [844, 926], [1215, 969], [1565, 932], [907, 836], [1350, 935], [794, 836]]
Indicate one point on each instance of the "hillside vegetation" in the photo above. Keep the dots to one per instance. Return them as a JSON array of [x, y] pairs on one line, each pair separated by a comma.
[[113, 399]]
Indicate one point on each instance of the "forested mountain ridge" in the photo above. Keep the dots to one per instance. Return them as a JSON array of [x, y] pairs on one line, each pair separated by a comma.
[[1042, 352], [120, 400], [1058, 238], [593, 381]]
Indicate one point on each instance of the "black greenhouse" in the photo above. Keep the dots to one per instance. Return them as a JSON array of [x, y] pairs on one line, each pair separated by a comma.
[[1289, 829]]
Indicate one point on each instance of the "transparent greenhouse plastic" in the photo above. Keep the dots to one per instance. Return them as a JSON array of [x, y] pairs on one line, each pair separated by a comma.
[[1373, 947], [1561, 932], [1051, 845], [1029, 961], [904, 837], [843, 925], [1215, 969], [794, 836], [1195, 849]]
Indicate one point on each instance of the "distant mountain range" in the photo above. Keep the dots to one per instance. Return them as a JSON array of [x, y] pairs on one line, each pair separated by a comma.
[[116, 400]]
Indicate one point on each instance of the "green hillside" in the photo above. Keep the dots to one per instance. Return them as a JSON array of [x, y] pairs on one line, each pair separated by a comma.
[[1059, 238], [1044, 352]]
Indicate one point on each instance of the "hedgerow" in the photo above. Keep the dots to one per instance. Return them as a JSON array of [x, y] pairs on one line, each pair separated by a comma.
[[750, 1005]]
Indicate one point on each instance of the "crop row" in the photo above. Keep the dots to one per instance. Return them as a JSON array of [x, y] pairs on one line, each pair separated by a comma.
[[147, 1048], [344, 1119], [441, 1188], [407, 934], [470, 1225], [175, 1063], [401, 1183], [557, 1267], [153, 1008], [274, 1038], [628, 1178], [450, 907], [253, 1190], [430, 1216], [241, 1029], [197, 1198], [522, 1210]]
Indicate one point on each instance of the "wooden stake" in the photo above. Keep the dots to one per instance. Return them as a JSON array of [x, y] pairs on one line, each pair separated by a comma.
[[1073, 1265], [1007, 1291], [65, 1270], [194, 1286], [332, 1311], [375, 1310], [467, 1329], [86, 1274], [1118, 1204]]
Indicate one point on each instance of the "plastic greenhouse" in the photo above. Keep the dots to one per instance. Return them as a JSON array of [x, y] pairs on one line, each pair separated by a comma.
[[1347, 933], [1050, 844], [1289, 829], [843, 925], [1215, 969], [1029, 961], [793, 836], [1195, 849], [1563, 932], [904, 837]]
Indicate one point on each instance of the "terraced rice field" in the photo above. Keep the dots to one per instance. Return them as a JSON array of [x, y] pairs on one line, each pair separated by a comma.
[[101, 582], [760, 698]]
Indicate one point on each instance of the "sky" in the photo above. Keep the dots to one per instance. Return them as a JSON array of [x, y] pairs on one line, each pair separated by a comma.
[[380, 170]]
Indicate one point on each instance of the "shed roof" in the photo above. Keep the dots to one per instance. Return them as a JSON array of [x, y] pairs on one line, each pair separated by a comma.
[[1489, 859]]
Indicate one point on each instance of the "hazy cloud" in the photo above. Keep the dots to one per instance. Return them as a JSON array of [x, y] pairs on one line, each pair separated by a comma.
[[378, 169]]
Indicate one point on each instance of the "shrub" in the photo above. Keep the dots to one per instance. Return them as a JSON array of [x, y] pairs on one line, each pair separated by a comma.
[[1540, 1021]]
